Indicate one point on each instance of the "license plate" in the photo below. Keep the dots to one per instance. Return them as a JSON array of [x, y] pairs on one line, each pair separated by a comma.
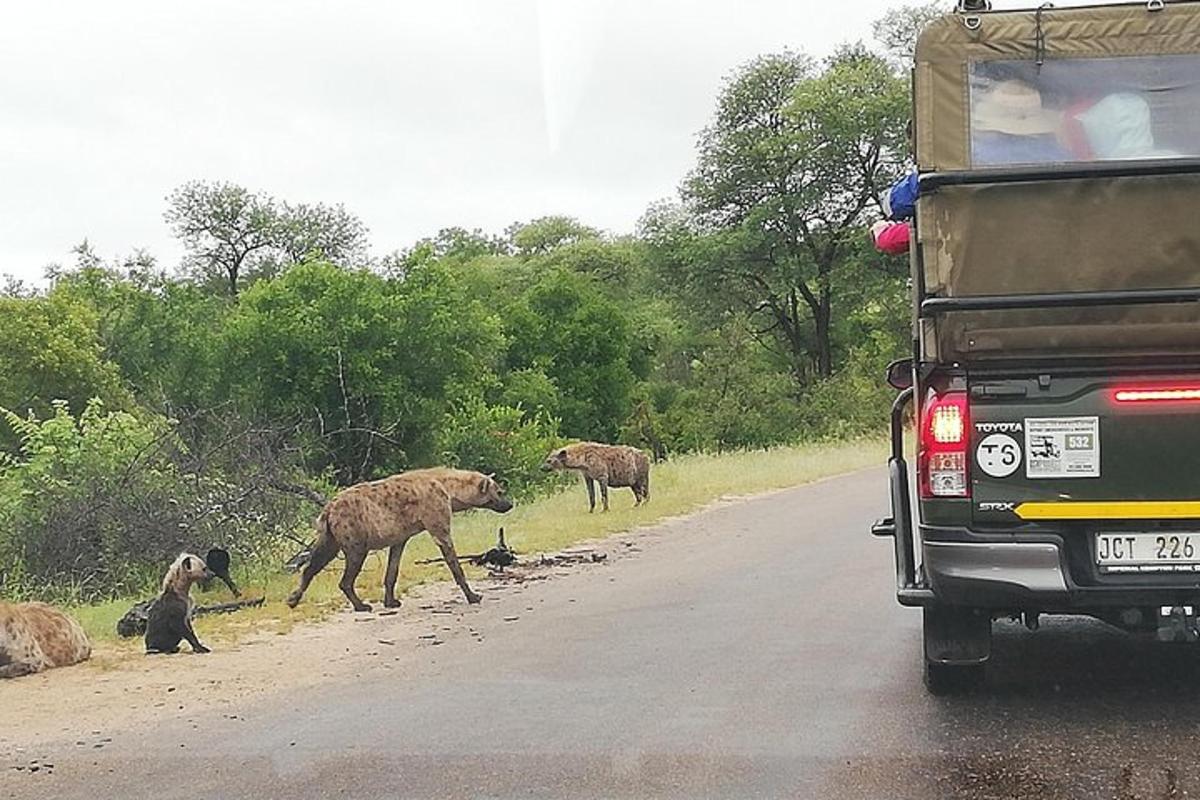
[[1148, 552]]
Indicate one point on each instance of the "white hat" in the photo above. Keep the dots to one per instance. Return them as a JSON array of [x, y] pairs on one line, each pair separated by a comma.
[[1013, 107]]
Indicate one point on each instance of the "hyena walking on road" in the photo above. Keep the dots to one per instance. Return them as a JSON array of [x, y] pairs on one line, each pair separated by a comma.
[[612, 465], [386, 514]]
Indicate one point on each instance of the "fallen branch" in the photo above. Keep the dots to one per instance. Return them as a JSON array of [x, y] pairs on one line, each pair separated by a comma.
[[229, 608]]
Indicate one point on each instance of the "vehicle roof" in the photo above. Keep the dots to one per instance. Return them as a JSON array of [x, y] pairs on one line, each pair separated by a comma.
[[1076, 31]]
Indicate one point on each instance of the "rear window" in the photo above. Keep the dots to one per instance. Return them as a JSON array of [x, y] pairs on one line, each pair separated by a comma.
[[1084, 109]]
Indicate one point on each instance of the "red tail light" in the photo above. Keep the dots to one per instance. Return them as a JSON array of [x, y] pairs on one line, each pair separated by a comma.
[[945, 433], [1157, 394]]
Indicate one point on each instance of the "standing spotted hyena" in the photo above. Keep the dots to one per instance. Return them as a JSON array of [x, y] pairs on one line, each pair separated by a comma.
[[389, 512], [35, 636], [607, 464]]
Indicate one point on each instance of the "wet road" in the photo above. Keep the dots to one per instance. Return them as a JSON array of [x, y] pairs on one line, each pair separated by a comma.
[[752, 651]]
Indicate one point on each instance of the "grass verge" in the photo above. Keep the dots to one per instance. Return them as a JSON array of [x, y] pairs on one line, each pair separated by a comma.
[[544, 525]]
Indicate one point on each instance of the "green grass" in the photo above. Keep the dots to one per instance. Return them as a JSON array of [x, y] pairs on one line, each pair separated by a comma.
[[544, 525]]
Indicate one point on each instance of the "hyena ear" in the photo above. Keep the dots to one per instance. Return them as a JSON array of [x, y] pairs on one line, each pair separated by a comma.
[[187, 564], [485, 484]]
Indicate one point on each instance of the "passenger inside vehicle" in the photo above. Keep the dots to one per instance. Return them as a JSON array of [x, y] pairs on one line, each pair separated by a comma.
[[1084, 109], [1119, 126], [1010, 125]]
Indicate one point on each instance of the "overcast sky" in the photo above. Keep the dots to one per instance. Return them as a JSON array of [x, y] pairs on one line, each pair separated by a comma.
[[414, 114]]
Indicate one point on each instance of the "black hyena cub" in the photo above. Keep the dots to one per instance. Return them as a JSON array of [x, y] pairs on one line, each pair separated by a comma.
[[170, 617]]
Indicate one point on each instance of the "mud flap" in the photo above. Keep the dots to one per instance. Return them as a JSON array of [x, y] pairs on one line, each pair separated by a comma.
[[957, 635]]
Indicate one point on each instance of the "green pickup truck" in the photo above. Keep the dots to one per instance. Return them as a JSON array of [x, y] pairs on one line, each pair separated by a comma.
[[1055, 371]]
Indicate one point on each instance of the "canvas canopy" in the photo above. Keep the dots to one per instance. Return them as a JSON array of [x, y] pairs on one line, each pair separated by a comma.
[[1055, 91]]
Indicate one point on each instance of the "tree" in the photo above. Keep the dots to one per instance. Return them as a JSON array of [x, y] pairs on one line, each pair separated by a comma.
[[454, 244], [897, 30], [226, 229], [232, 233], [567, 330], [733, 397], [544, 234], [52, 352], [163, 334], [329, 233], [367, 366], [793, 159]]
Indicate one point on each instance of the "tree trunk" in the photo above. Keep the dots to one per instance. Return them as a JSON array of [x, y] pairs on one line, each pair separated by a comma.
[[824, 344]]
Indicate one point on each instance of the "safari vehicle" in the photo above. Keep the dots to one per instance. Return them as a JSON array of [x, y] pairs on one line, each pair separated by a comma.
[[1055, 374]]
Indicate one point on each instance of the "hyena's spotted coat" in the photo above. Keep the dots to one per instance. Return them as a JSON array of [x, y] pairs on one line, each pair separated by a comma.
[[607, 464], [386, 514], [35, 636]]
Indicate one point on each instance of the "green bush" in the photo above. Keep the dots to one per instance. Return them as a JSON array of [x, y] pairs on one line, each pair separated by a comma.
[[856, 401], [97, 506], [499, 439]]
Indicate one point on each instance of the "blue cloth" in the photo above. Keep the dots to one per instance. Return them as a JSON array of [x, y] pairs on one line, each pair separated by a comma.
[[992, 148], [901, 200]]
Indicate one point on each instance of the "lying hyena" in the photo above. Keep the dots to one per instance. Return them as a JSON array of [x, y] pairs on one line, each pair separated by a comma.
[[389, 512], [607, 464], [35, 636]]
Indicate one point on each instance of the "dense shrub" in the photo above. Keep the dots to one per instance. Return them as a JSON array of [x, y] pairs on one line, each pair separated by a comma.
[[96, 506], [499, 439]]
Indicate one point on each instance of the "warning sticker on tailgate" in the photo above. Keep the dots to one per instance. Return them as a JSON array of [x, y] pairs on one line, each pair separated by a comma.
[[1062, 447]]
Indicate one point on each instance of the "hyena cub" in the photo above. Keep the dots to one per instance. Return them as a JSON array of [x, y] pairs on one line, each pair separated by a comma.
[[170, 617], [35, 636], [607, 464]]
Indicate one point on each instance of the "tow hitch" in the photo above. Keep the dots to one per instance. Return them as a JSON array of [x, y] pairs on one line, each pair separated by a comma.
[[1177, 624]]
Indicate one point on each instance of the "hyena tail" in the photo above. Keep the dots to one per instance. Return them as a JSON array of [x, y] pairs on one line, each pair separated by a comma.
[[323, 551]]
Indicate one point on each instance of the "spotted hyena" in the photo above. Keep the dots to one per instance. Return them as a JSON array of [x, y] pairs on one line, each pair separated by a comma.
[[386, 514], [35, 636], [169, 619], [607, 464]]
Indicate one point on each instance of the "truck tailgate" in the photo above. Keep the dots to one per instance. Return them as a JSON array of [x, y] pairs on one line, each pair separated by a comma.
[[1084, 448]]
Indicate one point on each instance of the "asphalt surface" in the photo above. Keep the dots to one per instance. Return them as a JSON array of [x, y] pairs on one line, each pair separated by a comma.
[[752, 651]]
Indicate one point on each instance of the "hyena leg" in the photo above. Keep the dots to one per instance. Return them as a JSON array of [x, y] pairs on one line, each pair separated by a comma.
[[446, 545], [17, 669], [322, 554], [355, 556], [591, 487], [189, 633], [604, 492], [393, 572]]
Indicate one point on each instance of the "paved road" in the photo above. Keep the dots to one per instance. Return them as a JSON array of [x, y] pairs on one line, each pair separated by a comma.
[[754, 651]]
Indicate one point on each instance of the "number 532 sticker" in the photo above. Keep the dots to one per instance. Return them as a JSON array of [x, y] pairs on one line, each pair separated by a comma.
[[998, 455]]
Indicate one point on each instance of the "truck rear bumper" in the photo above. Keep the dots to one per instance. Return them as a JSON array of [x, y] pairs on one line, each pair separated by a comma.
[[962, 567], [989, 573]]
